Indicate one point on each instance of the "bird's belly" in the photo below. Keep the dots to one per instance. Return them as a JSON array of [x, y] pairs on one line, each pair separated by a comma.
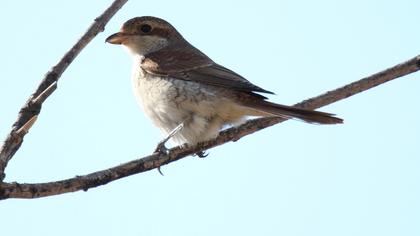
[[158, 100], [170, 102]]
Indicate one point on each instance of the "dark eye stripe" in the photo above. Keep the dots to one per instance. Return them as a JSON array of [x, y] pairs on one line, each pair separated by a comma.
[[145, 28]]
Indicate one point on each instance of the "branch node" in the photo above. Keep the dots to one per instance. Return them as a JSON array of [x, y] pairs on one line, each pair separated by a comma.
[[100, 24]]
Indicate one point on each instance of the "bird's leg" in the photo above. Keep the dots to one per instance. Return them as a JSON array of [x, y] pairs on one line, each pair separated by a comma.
[[161, 148]]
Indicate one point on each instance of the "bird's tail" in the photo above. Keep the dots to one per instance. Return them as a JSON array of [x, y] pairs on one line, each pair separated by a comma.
[[268, 108]]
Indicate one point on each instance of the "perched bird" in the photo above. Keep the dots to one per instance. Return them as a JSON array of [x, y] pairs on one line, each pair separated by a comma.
[[186, 94]]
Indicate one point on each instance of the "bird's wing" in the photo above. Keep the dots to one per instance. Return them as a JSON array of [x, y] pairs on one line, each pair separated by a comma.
[[192, 65], [188, 63]]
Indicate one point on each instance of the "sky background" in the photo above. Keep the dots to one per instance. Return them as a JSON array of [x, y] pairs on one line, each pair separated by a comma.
[[359, 178]]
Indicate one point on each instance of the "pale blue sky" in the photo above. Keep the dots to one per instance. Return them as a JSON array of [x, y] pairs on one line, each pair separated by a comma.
[[360, 178]]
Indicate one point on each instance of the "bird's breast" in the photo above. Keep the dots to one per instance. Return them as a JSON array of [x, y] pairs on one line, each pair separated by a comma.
[[169, 102]]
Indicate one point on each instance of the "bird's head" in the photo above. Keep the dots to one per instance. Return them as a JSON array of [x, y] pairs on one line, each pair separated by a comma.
[[146, 34]]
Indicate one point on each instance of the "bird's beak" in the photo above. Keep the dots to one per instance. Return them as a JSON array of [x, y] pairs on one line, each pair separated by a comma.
[[117, 38]]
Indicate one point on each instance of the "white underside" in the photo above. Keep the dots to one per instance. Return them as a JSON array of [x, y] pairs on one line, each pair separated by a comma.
[[170, 102]]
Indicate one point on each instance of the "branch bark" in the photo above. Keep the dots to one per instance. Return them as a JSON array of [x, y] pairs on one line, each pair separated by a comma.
[[85, 182], [31, 109]]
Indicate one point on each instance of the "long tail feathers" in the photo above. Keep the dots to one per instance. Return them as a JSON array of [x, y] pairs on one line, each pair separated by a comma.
[[288, 112]]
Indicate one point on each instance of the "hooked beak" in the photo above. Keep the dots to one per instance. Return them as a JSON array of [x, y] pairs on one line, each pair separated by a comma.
[[117, 38]]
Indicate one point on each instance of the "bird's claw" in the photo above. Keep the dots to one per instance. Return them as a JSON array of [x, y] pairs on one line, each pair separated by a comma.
[[160, 171], [161, 148], [201, 154]]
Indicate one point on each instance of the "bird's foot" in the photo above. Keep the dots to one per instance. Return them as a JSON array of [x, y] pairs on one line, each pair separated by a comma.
[[201, 154], [161, 148]]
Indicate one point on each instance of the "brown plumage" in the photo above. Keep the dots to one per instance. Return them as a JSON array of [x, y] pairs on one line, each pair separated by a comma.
[[177, 83], [185, 62]]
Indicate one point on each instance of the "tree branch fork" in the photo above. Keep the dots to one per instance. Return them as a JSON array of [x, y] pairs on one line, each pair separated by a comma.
[[30, 111]]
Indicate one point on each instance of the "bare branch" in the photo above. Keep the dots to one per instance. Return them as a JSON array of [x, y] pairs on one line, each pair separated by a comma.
[[48, 85], [16, 190], [25, 128], [45, 94]]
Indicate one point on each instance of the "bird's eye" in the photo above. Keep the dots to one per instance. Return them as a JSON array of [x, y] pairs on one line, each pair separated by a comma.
[[145, 28]]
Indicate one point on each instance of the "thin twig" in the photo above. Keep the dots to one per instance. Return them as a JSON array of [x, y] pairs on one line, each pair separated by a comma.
[[16, 190], [33, 105]]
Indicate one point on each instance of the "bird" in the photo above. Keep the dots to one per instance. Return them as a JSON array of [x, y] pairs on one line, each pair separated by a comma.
[[186, 94]]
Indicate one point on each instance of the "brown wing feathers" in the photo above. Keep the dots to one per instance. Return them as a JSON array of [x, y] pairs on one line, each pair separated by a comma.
[[188, 63]]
